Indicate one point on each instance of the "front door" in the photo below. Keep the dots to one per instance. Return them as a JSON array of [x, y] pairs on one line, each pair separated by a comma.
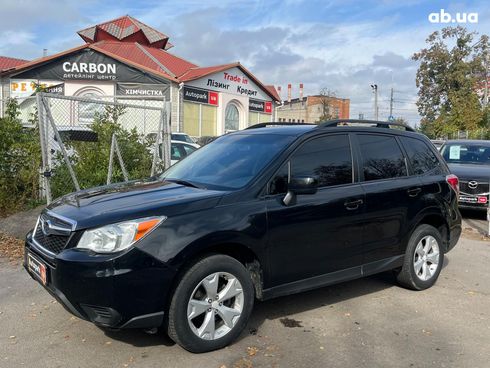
[[317, 233]]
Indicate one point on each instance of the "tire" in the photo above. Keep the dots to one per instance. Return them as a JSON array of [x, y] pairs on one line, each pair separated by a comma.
[[417, 272], [192, 298]]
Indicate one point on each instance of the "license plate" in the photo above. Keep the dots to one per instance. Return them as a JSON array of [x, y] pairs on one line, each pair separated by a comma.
[[468, 199], [37, 268]]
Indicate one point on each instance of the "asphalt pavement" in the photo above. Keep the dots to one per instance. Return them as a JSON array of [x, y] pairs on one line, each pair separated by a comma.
[[369, 322]]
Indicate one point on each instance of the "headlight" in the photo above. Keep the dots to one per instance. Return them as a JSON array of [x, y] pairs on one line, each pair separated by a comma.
[[120, 236]]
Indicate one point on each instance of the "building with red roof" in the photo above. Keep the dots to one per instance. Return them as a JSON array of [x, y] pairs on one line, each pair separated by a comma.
[[7, 63], [126, 58]]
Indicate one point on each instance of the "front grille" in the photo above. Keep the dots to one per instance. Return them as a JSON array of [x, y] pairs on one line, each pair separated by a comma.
[[54, 243], [481, 187]]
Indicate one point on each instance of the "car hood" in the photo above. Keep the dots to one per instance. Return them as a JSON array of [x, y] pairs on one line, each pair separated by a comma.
[[125, 201], [471, 172]]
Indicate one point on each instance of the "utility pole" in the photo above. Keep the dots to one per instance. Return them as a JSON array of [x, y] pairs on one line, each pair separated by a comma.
[[391, 103], [375, 90]]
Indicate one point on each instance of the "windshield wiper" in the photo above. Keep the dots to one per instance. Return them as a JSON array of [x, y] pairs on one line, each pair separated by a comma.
[[184, 182]]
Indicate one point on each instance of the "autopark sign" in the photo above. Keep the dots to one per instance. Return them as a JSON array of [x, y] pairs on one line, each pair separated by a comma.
[[201, 95], [260, 106]]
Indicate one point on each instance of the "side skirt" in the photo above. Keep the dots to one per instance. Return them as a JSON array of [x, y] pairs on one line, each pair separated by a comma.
[[333, 277]]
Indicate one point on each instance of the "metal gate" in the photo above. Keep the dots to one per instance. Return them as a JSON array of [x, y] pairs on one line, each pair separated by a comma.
[[88, 142]]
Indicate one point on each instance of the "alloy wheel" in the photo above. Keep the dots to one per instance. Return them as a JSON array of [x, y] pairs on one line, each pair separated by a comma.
[[215, 306], [426, 258]]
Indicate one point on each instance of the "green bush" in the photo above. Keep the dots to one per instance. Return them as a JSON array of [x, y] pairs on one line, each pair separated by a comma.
[[20, 161], [90, 160]]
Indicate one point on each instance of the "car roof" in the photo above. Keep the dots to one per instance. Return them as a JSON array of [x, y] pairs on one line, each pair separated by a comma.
[[292, 130], [299, 130], [469, 141]]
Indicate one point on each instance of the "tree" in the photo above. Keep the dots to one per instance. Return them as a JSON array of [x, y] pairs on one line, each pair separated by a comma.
[[450, 67], [20, 160], [325, 97]]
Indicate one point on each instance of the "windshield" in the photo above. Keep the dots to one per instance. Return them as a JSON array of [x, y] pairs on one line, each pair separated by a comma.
[[229, 162], [470, 153], [182, 138]]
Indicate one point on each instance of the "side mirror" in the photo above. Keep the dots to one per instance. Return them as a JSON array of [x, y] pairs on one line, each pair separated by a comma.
[[303, 185], [300, 185]]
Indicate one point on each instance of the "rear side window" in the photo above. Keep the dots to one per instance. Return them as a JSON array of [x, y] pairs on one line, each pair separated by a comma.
[[326, 158], [382, 157], [421, 158]]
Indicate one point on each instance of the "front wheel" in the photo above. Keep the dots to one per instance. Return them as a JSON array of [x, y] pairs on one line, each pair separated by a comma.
[[423, 259], [211, 304]]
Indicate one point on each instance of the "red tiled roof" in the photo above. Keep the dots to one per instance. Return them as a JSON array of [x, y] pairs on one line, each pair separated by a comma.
[[273, 91], [125, 29], [132, 55], [8, 62], [175, 64], [197, 72]]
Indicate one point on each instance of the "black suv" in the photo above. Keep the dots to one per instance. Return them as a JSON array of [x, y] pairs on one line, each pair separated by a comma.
[[259, 213]]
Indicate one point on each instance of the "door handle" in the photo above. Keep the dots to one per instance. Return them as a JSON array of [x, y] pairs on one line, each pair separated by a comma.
[[414, 192], [353, 205]]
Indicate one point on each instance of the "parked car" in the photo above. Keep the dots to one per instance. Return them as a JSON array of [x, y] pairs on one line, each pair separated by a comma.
[[180, 150], [256, 214], [470, 161], [183, 137]]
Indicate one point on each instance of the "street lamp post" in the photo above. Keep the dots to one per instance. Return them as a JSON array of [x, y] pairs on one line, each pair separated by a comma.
[[375, 90]]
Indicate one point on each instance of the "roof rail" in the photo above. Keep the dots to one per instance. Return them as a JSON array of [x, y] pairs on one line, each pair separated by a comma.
[[263, 125], [378, 124]]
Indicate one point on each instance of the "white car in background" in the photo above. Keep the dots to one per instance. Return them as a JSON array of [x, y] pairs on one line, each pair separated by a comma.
[[183, 137], [180, 150]]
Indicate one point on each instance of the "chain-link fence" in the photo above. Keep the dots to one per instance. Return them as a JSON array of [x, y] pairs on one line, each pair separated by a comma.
[[87, 142]]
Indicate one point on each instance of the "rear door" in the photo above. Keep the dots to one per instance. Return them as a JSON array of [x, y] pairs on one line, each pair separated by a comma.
[[429, 169], [391, 195]]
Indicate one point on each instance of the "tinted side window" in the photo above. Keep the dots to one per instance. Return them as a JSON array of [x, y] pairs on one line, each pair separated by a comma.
[[382, 158], [326, 158], [422, 159]]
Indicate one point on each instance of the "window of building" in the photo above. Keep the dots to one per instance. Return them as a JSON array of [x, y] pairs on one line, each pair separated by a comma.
[[88, 110], [232, 118], [209, 115], [326, 158], [191, 119], [382, 158], [422, 159]]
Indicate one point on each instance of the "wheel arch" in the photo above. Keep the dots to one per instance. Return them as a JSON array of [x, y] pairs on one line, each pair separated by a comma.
[[239, 251], [437, 220]]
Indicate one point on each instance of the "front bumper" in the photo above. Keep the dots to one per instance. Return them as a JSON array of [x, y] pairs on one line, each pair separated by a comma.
[[127, 290]]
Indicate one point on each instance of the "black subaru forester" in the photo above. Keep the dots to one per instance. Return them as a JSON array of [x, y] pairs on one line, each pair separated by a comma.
[[256, 214]]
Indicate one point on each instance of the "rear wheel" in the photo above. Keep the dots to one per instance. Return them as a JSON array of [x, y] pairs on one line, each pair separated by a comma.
[[423, 259], [211, 305]]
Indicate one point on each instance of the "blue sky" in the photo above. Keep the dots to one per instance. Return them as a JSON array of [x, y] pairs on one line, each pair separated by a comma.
[[341, 45]]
